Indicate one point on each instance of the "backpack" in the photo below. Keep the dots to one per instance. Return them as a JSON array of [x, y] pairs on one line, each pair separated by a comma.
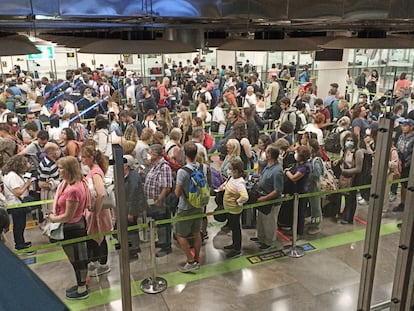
[[175, 166], [109, 200], [365, 175], [155, 94], [198, 192], [208, 141], [333, 142]]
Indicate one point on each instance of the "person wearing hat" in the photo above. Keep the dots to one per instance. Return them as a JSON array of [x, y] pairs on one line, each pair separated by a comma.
[[405, 145], [134, 194]]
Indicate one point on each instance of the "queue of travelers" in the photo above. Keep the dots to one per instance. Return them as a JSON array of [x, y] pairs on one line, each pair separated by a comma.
[[189, 131]]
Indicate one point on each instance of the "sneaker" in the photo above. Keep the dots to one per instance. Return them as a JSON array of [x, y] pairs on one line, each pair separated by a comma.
[[189, 266], [73, 289], [399, 208], [345, 222], [93, 265], [75, 295], [204, 235], [233, 254], [255, 239], [26, 252], [28, 244], [229, 247], [101, 269], [163, 252], [264, 246], [314, 230], [393, 197]]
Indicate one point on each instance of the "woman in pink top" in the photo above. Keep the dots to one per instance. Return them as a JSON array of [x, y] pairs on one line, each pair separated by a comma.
[[98, 220], [71, 200]]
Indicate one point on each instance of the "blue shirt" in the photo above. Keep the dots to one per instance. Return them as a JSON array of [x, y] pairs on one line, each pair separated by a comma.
[[271, 179]]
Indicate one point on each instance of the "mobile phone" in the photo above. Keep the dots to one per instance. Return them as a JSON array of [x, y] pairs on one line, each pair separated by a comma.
[[27, 175], [150, 201]]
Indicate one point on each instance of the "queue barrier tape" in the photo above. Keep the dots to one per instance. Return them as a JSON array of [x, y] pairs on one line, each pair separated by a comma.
[[183, 218]]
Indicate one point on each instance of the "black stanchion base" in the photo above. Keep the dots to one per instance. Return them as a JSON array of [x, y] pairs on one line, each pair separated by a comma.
[[151, 286]]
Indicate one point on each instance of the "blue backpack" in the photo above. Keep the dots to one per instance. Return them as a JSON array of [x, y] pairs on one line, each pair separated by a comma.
[[199, 192]]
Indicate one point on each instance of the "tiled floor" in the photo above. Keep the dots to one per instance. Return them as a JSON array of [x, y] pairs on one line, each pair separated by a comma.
[[326, 278]]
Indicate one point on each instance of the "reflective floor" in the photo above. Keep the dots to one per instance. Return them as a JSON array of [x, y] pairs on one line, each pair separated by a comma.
[[326, 278]]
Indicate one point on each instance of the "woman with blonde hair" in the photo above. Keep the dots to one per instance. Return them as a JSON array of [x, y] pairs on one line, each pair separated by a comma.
[[186, 126], [233, 152], [98, 220], [164, 114], [72, 199]]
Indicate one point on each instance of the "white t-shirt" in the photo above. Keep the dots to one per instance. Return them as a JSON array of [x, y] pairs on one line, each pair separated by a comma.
[[249, 100], [69, 107], [54, 133], [13, 181], [218, 115], [130, 94], [310, 127]]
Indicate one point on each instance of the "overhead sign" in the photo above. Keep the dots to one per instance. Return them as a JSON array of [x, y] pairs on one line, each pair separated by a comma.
[[48, 52]]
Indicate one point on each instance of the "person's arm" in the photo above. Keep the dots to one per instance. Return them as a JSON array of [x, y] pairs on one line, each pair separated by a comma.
[[163, 195], [272, 195], [100, 191], [70, 210], [246, 146], [294, 177], [359, 159], [20, 190]]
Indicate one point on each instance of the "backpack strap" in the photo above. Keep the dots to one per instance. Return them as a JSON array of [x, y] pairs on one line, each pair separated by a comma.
[[171, 147]]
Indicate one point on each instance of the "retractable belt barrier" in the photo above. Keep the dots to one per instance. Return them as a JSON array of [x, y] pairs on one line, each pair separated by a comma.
[[184, 218]]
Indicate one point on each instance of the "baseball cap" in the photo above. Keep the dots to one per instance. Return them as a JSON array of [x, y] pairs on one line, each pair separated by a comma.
[[130, 160], [407, 121]]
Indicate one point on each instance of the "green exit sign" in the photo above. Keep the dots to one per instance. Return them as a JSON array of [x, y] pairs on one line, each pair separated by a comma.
[[48, 52]]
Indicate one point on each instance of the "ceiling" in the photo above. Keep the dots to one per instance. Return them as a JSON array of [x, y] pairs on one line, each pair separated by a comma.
[[206, 20]]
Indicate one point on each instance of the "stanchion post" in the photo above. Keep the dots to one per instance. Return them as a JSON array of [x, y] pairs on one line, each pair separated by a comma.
[[376, 202], [122, 226], [153, 284], [295, 251], [403, 289]]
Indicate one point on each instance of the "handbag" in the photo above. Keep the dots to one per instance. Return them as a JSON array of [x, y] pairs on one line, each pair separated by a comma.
[[54, 230], [214, 126], [345, 182], [220, 217], [327, 181], [254, 193]]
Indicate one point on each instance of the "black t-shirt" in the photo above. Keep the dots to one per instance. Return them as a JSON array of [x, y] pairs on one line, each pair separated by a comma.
[[149, 103]]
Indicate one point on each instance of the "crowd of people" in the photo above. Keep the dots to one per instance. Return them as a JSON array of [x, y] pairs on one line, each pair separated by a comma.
[[189, 121]]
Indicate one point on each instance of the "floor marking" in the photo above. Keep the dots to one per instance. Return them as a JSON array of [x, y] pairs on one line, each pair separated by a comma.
[[108, 295]]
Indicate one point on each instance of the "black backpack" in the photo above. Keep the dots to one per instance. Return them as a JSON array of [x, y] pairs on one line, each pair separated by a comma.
[[298, 125], [333, 142]]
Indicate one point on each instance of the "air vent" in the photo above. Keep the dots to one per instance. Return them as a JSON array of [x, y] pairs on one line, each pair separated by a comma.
[[269, 35], [372, 34]]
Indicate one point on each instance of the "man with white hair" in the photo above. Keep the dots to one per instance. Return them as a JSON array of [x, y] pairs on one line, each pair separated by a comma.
[[250, 98]]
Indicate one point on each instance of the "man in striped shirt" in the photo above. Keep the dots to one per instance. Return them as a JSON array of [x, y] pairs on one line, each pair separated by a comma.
[[49, 175]]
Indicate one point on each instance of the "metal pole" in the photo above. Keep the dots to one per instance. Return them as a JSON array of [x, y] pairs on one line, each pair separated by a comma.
[[294, 251], [376, 203], [403, 291], [153, 284], [122, 226]]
